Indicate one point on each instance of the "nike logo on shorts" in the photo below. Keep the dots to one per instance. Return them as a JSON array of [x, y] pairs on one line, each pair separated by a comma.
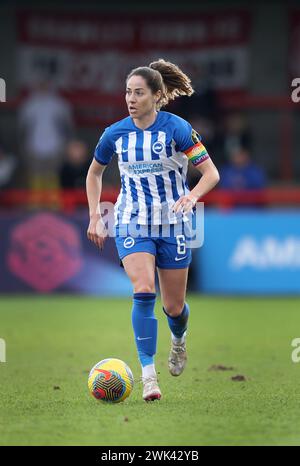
[[180, 258]]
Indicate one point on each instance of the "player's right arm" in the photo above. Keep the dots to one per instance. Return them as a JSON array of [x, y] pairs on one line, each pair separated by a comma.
[[103, 153], [96, 229]]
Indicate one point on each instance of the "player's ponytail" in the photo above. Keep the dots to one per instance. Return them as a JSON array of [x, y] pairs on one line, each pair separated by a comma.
[[175, 81], [166, 77]]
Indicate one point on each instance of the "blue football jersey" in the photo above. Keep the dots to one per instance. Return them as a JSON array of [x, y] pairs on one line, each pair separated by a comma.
[[153, 166]]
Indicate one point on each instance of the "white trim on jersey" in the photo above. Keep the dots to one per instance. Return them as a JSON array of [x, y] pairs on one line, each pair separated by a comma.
[[162, 138], [119, 146], [181, 190], [117, 205], [170, 200], [128, 202], [142, 212], [147, 146], [156, 200], [173, 144], [131, 147]]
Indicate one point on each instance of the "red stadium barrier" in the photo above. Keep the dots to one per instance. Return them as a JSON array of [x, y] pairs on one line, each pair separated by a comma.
[[69, 200], [65, 200]]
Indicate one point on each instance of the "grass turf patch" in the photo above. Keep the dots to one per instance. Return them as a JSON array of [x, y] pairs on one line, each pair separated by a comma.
[[52, 343]]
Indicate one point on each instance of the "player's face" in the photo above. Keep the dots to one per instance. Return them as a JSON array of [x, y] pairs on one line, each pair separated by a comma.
[[139, 98]]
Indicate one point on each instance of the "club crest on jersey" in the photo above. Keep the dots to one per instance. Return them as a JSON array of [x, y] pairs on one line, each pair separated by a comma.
[[158, 147], [128, 242]]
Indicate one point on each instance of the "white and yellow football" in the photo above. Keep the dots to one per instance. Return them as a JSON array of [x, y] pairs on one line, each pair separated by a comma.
[[110, 381]]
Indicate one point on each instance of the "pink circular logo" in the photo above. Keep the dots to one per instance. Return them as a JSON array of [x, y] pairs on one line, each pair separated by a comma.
[[45, 251]]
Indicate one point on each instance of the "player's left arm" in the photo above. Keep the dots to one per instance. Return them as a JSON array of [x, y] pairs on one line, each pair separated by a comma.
[[210, 177], [190, 143]]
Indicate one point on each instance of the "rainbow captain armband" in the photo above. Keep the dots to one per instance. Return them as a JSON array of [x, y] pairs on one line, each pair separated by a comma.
[[197, 154]]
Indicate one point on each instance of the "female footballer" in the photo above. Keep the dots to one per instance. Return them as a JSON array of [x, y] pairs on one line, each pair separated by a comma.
[[153, 149]]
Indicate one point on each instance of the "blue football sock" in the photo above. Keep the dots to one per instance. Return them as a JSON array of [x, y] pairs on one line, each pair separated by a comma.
[[178, 325], [144, 326]]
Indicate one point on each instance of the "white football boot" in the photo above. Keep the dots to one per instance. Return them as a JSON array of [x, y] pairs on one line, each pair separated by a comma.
[[151, 389], [177, 358]]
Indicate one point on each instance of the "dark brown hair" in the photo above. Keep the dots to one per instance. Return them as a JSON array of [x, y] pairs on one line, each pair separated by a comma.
[[166, 77]]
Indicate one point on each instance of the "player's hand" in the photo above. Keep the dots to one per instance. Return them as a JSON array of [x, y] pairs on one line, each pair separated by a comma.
[[185, 204], [97, 233]]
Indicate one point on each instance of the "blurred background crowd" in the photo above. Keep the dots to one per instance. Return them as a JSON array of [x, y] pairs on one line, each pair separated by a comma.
[[51, 153], [64, 89]]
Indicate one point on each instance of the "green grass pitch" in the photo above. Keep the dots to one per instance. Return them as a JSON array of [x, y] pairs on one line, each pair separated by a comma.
[[54, 341]]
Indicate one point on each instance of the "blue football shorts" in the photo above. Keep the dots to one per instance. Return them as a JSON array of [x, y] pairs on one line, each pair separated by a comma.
[[170, 253]]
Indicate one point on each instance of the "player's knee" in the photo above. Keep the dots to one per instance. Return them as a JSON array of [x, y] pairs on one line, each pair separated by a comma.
[[174, 309], [144, 288]]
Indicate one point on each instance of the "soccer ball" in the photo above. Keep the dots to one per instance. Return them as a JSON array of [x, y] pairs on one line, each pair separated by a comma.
[[110, 381]]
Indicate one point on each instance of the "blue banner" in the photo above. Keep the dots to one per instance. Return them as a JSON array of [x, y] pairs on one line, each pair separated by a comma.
[[250, 252]]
